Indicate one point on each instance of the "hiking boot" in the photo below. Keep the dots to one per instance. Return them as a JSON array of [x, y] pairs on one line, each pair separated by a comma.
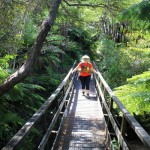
[[82, 93], [88, 96]]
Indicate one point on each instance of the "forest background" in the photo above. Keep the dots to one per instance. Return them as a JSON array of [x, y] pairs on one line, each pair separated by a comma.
[[113, 33]]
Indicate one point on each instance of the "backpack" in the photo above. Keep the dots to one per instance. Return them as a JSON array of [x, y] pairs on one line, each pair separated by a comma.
[[85, 68]]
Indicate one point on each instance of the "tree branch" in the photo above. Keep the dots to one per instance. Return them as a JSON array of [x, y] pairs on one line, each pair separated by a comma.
[[89, 5], [70, 15], [112, 6], [25, 69]]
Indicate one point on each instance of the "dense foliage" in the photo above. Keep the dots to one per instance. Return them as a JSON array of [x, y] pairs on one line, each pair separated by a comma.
[[114, 33], [136, 91], [135, 95]]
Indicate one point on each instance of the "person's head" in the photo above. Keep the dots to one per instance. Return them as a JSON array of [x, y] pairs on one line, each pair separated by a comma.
[[86, 58]]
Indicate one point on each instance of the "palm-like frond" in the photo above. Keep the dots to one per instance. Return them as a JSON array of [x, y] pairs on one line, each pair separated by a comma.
[[136, 94], [138, 14]]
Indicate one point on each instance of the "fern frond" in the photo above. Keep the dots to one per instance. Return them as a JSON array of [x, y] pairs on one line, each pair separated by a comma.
[[135, 95]]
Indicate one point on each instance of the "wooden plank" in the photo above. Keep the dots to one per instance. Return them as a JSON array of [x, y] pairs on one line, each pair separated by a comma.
[[115, 127], [50, 128], [64, 115], [84, 124]]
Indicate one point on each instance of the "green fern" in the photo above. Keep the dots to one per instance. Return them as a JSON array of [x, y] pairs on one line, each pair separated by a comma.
[[9, 124], [30, 142], [135, 95], [3, 74], [138, 14], [4, 67]]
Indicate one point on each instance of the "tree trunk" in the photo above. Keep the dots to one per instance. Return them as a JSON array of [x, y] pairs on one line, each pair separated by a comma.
[[25, 69]]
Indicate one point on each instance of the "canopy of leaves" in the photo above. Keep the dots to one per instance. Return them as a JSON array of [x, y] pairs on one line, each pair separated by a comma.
[[138, 14], [81, 27]]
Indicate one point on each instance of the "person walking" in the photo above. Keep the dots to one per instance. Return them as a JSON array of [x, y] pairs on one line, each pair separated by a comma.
[[85, 70]]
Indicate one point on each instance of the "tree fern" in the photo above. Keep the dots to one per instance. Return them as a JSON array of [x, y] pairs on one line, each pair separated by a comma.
[[135, 95], [9, 124], [139, 14]]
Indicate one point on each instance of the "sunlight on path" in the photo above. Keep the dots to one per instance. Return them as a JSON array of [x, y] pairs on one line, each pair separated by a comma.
[[84, 126]]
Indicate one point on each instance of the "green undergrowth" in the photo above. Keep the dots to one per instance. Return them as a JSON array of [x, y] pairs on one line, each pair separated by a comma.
[[135, 96]]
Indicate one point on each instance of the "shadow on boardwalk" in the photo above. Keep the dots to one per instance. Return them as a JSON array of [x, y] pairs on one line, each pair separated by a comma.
[[83, 127]]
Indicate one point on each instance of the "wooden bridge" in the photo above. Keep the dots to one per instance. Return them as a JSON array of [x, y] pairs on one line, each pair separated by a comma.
[[70, 121]]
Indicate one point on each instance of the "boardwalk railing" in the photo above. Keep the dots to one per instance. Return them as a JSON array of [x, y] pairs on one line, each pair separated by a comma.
[[41, 130], [121, 127]]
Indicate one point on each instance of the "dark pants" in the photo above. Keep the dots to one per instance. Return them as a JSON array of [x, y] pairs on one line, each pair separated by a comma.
[[85, 81]]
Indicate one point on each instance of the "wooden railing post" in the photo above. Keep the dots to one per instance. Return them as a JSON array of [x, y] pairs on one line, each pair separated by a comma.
[[110, 108], [123, 125], [44, 119], [111, 105], [44, 123], [63, 89], [123, 129]]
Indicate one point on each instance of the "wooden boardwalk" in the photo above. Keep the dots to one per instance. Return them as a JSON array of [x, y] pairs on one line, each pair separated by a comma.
[[84, 127]]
